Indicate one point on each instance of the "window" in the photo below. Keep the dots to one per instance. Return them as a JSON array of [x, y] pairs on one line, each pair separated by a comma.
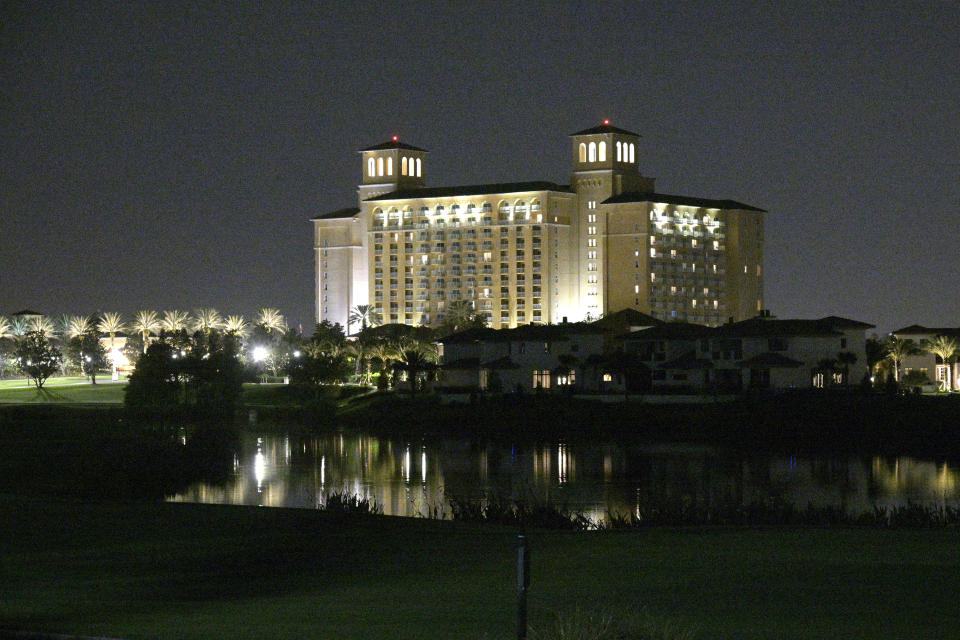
[[418, 167], [403, 166], [583, 152], [632, 158], [592, 152], [389, 166], [592, 217], [379, 166], [602, 151], [591, 230], [619, 154], [591, 255], [591, 242], [371, 167], [541, 379], [653, 252]]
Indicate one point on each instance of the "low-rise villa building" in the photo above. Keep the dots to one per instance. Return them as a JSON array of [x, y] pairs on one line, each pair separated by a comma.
[[925, 361], [760, 353]]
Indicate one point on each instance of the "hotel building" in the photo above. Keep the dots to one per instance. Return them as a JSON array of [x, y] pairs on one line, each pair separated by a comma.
[[536, 252]]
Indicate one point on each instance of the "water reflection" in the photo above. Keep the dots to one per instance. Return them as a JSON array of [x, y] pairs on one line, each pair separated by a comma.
[[418, 478]]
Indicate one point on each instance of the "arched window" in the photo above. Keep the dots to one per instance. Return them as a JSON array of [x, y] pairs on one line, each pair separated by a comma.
[[389, 166], [592, 152], [632, 158], [403, 166], [379, 166], [583, 152], [602, 151], [619, 152], [371, 167], [418, 168]]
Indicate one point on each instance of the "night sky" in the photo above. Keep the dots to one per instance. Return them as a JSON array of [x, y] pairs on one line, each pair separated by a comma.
[[170, 154]]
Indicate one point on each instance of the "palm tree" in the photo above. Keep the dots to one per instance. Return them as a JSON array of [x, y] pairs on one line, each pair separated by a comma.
[[364, 314], [207, 320], [461, 315], [237, 326], [19, 327], [897, 350], [944, 347], [386, 352], [145, 323], [111, 324], [5, 328], [846, 359], [42, 324], [271, 320], [79, 325], [174, 320]]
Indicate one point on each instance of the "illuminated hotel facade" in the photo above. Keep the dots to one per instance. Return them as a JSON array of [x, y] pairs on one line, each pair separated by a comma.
[[536, 252]]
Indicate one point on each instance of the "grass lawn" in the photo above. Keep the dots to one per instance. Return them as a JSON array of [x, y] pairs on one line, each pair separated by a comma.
[[204, 571], [62, 390]]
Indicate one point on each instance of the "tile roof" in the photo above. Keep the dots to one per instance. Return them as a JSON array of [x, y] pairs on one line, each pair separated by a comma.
[[393, 144], [471, 190], [671, 331], [666, 198], [349, 212], [916, 330], [604, 128]]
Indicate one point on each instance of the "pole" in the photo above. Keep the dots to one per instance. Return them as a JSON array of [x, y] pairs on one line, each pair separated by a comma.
[[523, 581]]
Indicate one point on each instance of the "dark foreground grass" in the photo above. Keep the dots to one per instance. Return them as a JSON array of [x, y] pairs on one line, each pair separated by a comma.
[[202, 571]]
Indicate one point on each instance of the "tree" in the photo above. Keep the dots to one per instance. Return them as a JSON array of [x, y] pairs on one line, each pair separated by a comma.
[[88, 353], [42, 324], [237, 326], [79, 325], [5, 328], [207, 319], [174, 320], [876, 351], [846, 359], [459, 316], [111, 324], [944, 347], [19, 327], [386, 351], [365, 315], [271, 320], [37, 358], [897, 350], [146, 323]]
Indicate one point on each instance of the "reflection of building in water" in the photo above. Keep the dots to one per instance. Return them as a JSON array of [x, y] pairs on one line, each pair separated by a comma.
[[415, 478]]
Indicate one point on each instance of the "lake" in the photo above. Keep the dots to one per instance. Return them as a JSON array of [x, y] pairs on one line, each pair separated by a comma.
[[417, 478]]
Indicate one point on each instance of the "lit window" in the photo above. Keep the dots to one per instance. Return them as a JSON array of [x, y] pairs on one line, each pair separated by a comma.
[[591, 266], [379, 166], [632, 159], [758, 271], [602, 151], [693, 303], [592, 152], [619, 152], [653, 252], [744, 268], [418, 167], [583, 152], [716, 303], [694, 243], [636, 253], [389, 166], [653, 277], [592, 217], [591, 242], [716, 245], [371, 167], [403, 166], [673, 253], [591, 230], [636, 288], [591, 255]]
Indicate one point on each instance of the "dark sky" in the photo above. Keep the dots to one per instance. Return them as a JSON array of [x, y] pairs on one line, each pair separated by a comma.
[[169, 154]]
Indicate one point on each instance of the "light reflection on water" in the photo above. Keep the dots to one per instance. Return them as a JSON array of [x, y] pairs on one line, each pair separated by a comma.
[[416, 478]]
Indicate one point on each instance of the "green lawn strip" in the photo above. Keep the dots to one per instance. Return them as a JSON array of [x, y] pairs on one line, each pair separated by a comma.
[[204, 571], [104, 393]]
